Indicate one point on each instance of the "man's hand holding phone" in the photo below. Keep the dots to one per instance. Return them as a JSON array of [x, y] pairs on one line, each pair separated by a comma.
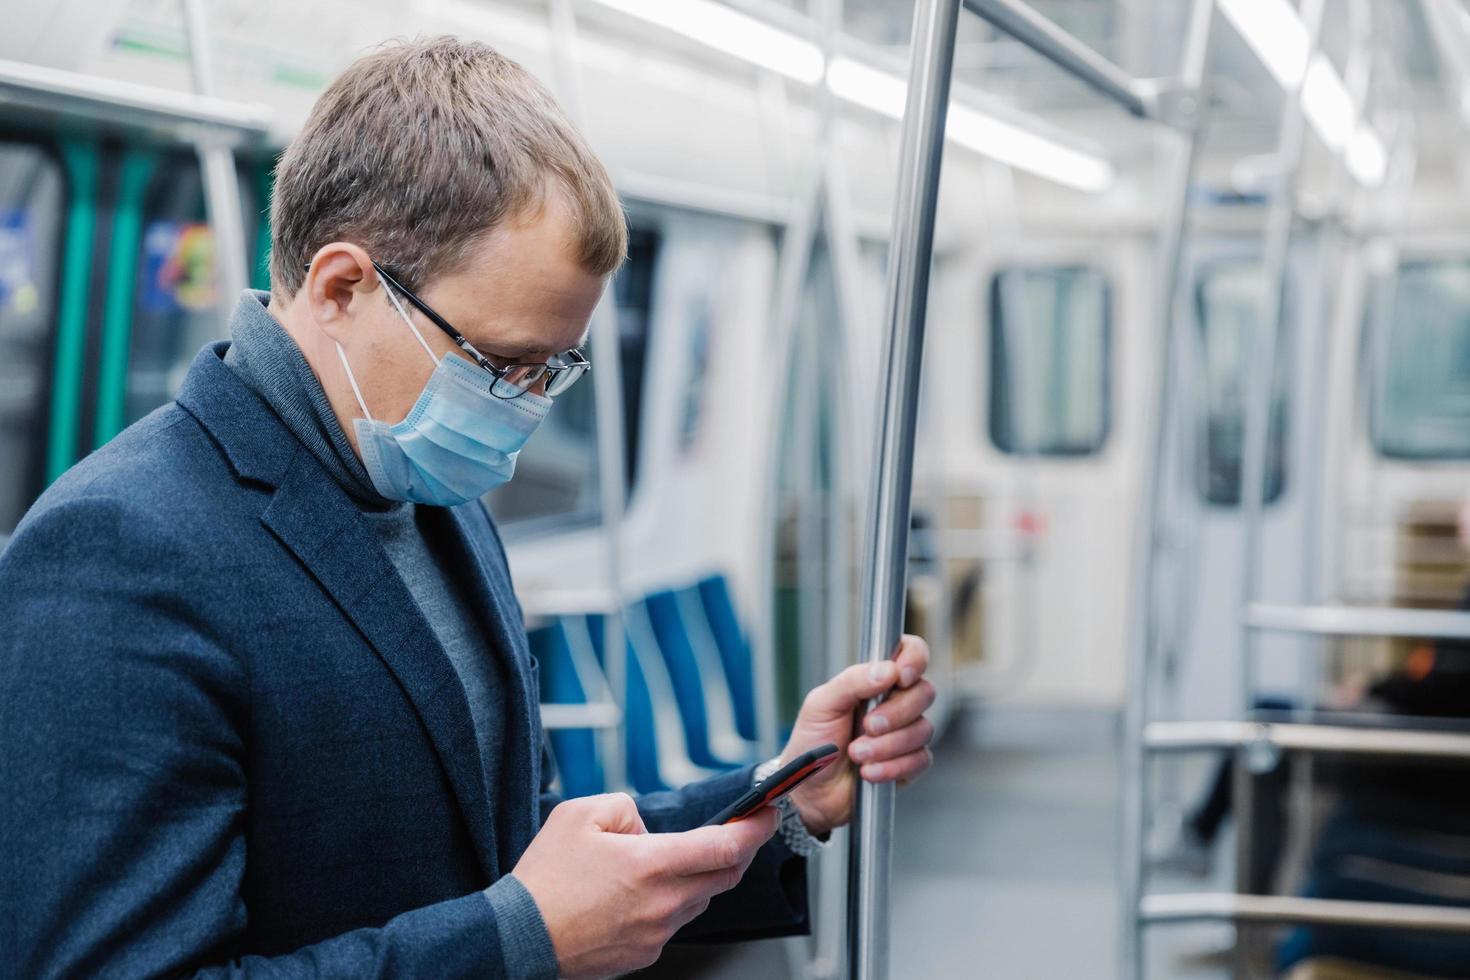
[[613, 894]]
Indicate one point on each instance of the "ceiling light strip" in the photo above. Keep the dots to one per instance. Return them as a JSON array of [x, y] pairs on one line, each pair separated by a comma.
[[756, 42]]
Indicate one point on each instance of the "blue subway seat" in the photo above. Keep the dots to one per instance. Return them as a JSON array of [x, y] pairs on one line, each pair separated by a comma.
[[699, 688], [689, 708], [657, 737], [578, 759], [734, 650]]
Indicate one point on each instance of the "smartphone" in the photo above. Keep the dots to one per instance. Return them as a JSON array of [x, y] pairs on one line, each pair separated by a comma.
[[777, 784]]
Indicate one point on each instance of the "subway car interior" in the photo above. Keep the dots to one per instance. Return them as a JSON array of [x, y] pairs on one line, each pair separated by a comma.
[[1118, 348]]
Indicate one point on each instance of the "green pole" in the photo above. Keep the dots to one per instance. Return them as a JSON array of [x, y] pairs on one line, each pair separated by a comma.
[[122, 274], [80, 159]]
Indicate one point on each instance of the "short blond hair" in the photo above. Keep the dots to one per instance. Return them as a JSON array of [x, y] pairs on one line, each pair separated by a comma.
[[419, 149]]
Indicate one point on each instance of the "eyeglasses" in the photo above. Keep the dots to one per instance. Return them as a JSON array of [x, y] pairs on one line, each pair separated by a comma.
[[560, 371]]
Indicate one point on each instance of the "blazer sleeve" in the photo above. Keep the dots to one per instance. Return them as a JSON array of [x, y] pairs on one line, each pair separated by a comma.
[[123, 770], [770, 901]]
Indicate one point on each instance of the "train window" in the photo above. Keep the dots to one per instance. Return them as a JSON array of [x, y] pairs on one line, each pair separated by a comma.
[[1422, 395], [1227, 305], [176, 305], [556, 473], [1050, 348], [175, 310], [32, 216]]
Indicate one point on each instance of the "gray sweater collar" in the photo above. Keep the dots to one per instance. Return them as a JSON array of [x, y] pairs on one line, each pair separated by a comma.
[[265, 357]]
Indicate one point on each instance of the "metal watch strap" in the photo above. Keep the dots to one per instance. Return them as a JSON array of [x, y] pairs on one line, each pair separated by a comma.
[[792, 831]]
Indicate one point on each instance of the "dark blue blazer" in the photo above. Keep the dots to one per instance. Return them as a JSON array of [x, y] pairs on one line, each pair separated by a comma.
[[230, 742]]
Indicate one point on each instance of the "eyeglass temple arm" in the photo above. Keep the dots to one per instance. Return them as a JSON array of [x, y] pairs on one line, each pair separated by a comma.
[[419, 305]]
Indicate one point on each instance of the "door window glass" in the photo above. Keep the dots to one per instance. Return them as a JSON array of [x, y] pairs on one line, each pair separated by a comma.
[[1050, 353], [1227, 305], [1422, 395], [176, 306]]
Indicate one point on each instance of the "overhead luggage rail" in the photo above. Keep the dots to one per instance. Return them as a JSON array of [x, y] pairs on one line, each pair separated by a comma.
[[1335, 620], [1292, 910], [1071, 55], [1189, 736], [128, 103]]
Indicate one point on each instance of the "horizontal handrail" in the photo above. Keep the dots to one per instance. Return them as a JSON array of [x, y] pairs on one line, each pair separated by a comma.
[[595, 714], [1067, 53], [1188, 736], [546, 603], [1434, 624], [129, 103], [1289, 909]]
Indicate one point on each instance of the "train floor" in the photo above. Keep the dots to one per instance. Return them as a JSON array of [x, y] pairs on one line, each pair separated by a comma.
[[1004, 867]]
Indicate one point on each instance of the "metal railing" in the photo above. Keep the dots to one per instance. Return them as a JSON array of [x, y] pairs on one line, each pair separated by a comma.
[[183, 114], [1067, 53], [1362, 736]]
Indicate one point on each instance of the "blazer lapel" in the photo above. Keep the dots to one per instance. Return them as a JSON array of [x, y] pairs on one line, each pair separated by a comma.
[[313, 517], [495, 599]]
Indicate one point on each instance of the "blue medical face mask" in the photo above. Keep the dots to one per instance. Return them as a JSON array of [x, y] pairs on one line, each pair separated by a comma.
[[458, 442]]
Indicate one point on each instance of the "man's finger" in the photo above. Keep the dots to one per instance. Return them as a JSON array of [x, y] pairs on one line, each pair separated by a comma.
[[902, 708], [615, 813], [709, 883], [843, 693], [905, 767], [912, 659], [709, 849], [909, 738]]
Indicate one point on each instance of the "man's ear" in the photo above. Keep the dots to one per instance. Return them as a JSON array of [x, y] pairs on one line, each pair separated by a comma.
[[340, 274]]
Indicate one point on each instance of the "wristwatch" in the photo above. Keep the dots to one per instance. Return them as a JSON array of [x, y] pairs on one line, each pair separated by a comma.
[[799, 840]]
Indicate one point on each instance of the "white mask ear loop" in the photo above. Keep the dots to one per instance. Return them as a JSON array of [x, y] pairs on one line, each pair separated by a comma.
[[433, 358], [353, 381]]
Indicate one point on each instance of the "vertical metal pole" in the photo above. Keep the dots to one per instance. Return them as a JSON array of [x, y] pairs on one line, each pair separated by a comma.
[[1260, 396], [1141, 639], [221, 185], [921, 152], [607, 393], [1261, 376]]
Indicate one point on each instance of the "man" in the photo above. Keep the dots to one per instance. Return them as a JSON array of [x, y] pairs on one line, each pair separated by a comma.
[[268, 705]]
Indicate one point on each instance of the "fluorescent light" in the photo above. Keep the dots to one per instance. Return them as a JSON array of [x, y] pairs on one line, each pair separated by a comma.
[[987, 135], [1275, 33], [1278, 36], [868, 87], [1327, 104], [1366, 158], [1022, 148], [754, 41], [726, 29]]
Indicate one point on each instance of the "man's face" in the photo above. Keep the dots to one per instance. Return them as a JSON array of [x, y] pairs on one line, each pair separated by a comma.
[[520, 298]]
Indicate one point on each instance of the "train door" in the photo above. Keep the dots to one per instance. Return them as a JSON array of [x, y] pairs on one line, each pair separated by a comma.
[[1038, 467], [47, 188]]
